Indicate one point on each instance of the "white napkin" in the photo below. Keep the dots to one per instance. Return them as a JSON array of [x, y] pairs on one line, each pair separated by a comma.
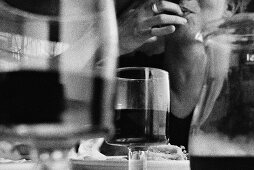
[[89, 149]]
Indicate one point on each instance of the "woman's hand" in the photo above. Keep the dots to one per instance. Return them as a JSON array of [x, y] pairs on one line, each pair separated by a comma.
[[145, 22]]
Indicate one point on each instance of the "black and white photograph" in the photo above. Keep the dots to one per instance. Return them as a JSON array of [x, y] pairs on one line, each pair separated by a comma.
[[126, 84]]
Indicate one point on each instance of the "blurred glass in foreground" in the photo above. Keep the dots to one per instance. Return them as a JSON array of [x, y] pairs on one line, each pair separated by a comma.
[[53, 92], [222, 130]]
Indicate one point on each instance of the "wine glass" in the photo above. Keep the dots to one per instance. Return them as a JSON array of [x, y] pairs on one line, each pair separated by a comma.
[[53, 92], [221, 134], [141, 107]]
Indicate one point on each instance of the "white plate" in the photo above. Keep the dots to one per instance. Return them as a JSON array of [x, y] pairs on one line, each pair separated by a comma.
[[18, 166], [123, 165]]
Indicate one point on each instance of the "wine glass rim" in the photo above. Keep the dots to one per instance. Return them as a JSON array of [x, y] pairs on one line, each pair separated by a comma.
[[161, 71]]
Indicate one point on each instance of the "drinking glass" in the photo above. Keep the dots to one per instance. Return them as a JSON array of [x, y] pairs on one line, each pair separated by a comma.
[[57, 75], [222, 129], [141, 105]]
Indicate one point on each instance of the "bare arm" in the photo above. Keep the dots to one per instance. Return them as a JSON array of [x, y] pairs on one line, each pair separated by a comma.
[[185, 56], [186, 76]]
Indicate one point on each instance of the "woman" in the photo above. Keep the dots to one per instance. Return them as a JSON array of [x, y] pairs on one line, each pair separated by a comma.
[[162, 34]]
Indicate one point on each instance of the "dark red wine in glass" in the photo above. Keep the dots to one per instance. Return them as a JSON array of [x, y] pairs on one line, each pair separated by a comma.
[[141, 107]]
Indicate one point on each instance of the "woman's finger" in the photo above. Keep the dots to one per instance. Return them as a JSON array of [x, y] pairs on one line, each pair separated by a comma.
[[162, 19], [152, 32], [166, 6], [163, 30]]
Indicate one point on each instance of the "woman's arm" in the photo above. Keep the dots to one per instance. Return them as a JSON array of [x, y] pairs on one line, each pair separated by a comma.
[[186, 67], [185, 57]]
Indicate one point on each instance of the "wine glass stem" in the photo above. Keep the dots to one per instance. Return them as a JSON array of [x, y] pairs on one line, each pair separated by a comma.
[[137, 158]]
